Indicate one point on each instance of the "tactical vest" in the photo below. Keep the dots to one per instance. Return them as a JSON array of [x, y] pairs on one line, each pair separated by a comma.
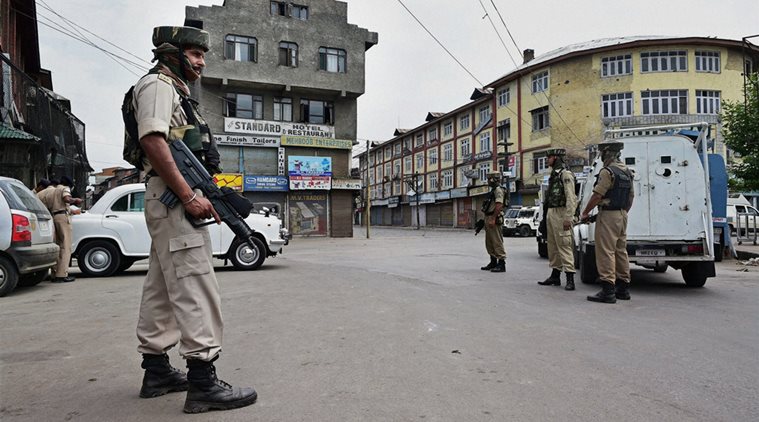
[[489, 201], [196, 134], [619, 193], [556, 197]]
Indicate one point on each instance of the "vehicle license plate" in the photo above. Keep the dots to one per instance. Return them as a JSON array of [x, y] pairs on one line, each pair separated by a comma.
[[650, 252], [44, 227]]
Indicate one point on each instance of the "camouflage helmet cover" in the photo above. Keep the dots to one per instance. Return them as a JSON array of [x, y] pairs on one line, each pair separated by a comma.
[[184, 35], [611, 145], [556, 151]]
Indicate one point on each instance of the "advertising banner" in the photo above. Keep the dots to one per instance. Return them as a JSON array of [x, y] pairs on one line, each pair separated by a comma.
[[231, 180], [310, 182], [274, 128], [309, 166], [246, 140], [265, 183], [308, 213]]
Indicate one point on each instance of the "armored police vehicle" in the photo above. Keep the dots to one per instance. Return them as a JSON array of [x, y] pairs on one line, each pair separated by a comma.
[[670, 223]]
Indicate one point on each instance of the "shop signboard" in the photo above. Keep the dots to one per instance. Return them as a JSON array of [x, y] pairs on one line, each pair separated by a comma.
[[459, 193], [479, 190], [298, 165], [247, 140], [310, 182], [393, 201], [441, 196], [427, 198], [315, 142], [277, 129], [346, 184], [253, 183], [230, 180]]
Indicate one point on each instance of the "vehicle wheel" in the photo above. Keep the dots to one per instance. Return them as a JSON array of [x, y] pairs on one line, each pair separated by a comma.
[[693, 275], [588, 270], [244, 257], [660, 267], [33, 279], [125, 264], [719, 252], [99, 258], [8, 276], [524, 230], [542, 250]]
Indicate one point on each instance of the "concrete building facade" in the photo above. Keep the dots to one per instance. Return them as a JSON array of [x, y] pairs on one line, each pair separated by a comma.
[[279, 92]]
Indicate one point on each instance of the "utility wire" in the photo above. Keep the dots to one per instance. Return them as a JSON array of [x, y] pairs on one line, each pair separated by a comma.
[[440, 43], [487, 15], [507, 28]]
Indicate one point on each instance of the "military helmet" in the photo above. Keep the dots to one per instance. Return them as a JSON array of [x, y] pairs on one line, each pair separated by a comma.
[[611, 145], [556, 151], [181, 35]]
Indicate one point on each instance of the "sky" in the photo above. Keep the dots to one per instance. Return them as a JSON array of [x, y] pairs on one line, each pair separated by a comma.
[[408, 74]]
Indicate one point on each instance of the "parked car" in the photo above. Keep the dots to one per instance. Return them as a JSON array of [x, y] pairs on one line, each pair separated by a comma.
[[112, 235], [523, 224], [27, 247], [509, 220], [740, 206]]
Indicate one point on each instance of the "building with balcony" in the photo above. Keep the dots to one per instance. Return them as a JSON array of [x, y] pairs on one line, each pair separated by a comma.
[[279, 92]]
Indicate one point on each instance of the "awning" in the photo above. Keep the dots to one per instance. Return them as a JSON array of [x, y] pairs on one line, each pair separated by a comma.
[[7, 132]]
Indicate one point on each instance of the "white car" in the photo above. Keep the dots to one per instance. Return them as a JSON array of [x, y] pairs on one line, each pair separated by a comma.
[[112, 235]]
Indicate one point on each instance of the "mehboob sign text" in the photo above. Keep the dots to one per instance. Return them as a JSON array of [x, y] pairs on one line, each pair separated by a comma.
[[271, 128]]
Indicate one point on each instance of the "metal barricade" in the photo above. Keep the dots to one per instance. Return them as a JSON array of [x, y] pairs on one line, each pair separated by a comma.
[[745, 227]]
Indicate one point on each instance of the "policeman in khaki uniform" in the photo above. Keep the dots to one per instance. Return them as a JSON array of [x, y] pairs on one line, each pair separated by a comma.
[[180, 297], [613, 194], [561, 202], [57, 199], [493, 210]]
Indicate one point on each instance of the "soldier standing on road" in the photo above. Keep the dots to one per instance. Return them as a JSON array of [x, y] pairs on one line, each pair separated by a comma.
[[493, 210], [57, 198], [613, 193], [561, 202], [180, 297]]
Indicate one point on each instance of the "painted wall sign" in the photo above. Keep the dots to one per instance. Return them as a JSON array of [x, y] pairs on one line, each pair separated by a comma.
[[281, 161], [265, 183], [302, 141], [246, 140], [273, 128]]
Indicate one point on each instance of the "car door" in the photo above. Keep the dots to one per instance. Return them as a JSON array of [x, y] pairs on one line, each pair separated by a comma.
[[125, 219]]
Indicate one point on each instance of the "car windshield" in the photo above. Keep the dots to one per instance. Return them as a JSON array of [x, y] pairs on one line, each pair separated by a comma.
[[526, 213], [20, 197], [512, 213]]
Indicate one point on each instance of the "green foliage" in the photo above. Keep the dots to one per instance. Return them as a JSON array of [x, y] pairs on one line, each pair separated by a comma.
[[740, 122]]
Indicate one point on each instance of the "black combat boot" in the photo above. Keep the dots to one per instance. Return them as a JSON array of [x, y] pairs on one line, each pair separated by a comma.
[[553, 279], [208, 392], [490, 266], [622, 290], [606, 295], [500, 267], [160, 377], [570, 281]]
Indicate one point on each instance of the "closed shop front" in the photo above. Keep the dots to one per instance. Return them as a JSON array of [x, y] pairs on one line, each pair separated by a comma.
[[308, 211], [433, 214], [342, 213], [446, 214]]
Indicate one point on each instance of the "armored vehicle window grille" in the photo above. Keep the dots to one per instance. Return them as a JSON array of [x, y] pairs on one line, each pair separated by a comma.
[[629, 161], [665, 159]]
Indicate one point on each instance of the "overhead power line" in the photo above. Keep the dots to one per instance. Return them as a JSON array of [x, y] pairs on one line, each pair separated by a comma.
[[487, 15], [519, 50], [440, 43]]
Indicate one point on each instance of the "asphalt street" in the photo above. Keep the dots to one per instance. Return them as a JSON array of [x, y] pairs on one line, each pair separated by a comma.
[[402, 327]]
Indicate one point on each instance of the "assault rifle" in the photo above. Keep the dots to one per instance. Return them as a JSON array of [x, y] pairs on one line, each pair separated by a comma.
[[478, 226], [231, 207]]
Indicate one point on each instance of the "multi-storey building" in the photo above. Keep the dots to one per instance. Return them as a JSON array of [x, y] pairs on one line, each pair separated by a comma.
[[279, 92], [564, 98], [436, 171], [39, 136], [567, 97]]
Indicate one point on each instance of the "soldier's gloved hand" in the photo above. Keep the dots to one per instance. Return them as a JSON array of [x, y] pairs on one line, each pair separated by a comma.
[[567, 224], [202, 209]]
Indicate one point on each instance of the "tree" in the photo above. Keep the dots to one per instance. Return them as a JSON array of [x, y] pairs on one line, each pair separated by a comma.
[[740, 122]]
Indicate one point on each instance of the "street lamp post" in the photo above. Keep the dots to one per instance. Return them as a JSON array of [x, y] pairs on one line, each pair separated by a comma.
[[413, 183], [368, 202]]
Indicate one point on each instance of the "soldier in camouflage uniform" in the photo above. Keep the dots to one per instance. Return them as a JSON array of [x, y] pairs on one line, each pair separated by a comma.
[[180, 297], [493, 210], [561, 202], [613, 193]]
